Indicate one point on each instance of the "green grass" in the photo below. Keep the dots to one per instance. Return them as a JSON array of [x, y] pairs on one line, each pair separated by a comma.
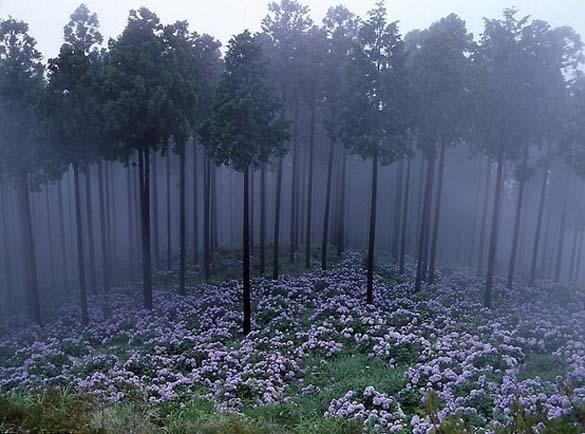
[[545, 366]]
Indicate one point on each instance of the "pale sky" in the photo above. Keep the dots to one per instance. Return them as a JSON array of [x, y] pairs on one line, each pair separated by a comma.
[[223, 18]]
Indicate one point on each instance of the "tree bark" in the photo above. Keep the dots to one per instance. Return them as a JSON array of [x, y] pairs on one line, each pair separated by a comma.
[[294, 226], [195, 209], [155, 233], [405, 217], [50, 235], [65, 269], [206, 221], [424, 223], [579, 253], [372, 236], [341, 208], [263, 219], [169, 240], [103, 227], [395, 249], [483, 223], [276, 250], [144, 177], [90, 237], [182, 220], [310, 189], [246, 248], [6, 247], [516, 234], [80, 253], [130, 219], [494, 233], [538, 226], [561, 245], [573, 254], [327, 207], [431, 272], [251, 176]]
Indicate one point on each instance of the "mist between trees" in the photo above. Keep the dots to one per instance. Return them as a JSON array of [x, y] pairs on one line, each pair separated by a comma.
[[155, 152]]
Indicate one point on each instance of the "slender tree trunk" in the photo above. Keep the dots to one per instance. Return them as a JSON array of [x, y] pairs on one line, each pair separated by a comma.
[[195, 209], [372, 236], [90, 237], [573, 254], [276, 251], [130, 220], [262, 219], [310, 190], [437, 213], [7, 253], [538, 226], [561, 245], [252, 206], [577, 269], [214, 216], [105, 250], [341, 210], [405, 216], [246, 247], [516, 234], [294, 227], [80, 253], [65, 269], [182, 220], [482, 228], [424, 223], [169, 239], [327, 206], [206, 221], [50, 235], [397, 211], [155, 233], [494, 233], [144, 174], [111, 217], [468, 260]]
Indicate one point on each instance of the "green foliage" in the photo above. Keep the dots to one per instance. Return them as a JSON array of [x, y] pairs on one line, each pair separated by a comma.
[[545, 366]]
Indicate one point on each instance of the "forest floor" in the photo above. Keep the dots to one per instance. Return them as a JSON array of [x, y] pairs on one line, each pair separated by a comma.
[[319, 360]]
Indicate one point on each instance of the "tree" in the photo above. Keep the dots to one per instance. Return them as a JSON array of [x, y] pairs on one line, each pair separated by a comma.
[[245, 127], [23, 156], [138, 82], [372, 122], [71, 104]]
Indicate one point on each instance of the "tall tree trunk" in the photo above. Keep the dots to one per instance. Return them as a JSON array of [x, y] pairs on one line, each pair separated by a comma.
[[341, 208], [80, 254], [214, 215], [482, 228], [195, 209], [573, 253], [103, 230], [251, 176], [327, 206], [65, 268], [206, 221], [169, 240], [395, 247], [424, 223], [144, 174], [437, 213], [263, 219], [561, 245], [494, 233], [50, 235], [111, 217], [405, 216], [90, 237], [577, 269], [130, 219], [516, 234], [6, 247], [156, 246], [294, 227], [468, 260], [310, 189], [246, 248], [538, 226], [276, 250], [372, 236], [182, 220]]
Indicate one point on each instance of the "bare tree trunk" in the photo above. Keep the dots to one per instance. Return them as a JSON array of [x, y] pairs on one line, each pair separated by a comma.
[[310, 190], [577, 269], [538, 226], [561, 245], [182, 220], [246, 248], [206, 221], [431, 272], [6, 247], [494, 233], [50, 235], [251, 176], [327, 207], [294, 226], [130, 219], [111, 218], [214, 215], [156, 246], [81, 264], [573, 253], [341, 208], [144, 174], [405, 216], [397, 211], [482, 228], [424, 223], [516, 234], [372, 236], [263, 219], [276, 251], [103, 227], [65, 269], [90, 237], [169, 239], [195, 209]]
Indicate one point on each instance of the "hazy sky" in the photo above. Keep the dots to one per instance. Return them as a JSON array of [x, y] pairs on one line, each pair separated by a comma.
[[223, 18]]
